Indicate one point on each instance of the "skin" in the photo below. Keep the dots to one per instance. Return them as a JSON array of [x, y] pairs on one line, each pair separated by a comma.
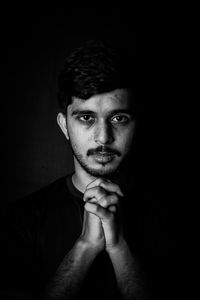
[[104, 120], [104, 123]]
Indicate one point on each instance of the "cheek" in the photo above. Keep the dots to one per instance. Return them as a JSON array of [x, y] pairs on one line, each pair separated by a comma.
[[126, 137], [78, 138], [127, 145]]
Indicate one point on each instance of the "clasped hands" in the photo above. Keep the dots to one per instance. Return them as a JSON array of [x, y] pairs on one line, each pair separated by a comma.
[[102, 226]]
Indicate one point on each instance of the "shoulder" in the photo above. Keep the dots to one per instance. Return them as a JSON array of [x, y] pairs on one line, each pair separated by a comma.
[[38, 202]]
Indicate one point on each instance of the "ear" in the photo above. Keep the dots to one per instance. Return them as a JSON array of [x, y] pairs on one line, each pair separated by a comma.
[[62, 122]]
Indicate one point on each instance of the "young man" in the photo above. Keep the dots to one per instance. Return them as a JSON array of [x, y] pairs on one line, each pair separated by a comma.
[[75, 238]]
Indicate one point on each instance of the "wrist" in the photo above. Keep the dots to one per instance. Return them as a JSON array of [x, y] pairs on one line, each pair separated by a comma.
[[117, 247], [88, 246]]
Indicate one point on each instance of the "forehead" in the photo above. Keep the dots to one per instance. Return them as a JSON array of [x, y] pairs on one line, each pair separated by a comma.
[[117, 99]]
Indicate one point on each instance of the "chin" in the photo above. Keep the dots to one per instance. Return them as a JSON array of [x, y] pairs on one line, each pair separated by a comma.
[[102, 172], [97, 169]]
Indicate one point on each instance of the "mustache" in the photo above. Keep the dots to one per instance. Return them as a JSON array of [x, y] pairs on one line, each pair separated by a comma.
[[101, 149]]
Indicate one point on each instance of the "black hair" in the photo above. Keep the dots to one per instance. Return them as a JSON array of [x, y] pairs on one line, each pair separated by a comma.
[[93, 68]]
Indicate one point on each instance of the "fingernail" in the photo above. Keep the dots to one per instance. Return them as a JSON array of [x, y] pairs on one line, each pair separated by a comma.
[[121, 193]]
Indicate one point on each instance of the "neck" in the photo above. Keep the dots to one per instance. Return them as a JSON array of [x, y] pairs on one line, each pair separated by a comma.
[[81, 178]]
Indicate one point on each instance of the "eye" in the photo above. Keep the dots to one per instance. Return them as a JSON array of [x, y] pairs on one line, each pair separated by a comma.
[[120, 119], [86, 118]]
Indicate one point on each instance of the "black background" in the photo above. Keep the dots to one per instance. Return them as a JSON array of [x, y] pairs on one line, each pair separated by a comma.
[[34, 152], [35, 42]]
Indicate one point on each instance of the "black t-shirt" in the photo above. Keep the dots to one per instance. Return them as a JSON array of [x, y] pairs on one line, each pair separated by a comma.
[[39, 230]]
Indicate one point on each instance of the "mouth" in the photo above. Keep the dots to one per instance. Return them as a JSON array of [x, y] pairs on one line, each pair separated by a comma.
[[104, 157]]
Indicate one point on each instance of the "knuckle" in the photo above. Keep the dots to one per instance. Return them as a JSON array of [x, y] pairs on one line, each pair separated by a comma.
[[88, 191], [112, 208], [86, 206], [98, 182], [104, 202], [114, 198], [100, 191]]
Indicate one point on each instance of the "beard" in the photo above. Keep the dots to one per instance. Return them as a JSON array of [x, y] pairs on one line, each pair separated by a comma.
[[105, 171]]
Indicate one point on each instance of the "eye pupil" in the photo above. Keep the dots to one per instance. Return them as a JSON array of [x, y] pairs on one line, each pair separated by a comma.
[[86, 117]]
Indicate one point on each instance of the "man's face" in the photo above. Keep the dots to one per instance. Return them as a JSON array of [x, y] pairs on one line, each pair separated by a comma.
[[100, 131]]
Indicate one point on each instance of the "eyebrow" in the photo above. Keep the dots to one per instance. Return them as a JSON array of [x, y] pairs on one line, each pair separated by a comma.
[[82, 112], [88, 112]]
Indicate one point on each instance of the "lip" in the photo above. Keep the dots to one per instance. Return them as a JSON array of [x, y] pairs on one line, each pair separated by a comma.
[[104, 153], [103, 157]]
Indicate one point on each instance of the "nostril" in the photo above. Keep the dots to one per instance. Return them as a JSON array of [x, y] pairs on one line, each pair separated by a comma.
[[104, 138], [104, 134]]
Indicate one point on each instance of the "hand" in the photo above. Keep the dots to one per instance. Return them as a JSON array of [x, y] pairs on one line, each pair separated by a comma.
[[92, 231], [102, 200]]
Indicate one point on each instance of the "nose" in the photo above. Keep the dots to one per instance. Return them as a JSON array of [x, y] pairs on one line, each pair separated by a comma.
[[103, 134]]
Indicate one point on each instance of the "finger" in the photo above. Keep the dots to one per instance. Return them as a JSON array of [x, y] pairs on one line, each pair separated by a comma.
[[99, 211], [104, 201], [95, 192], [108, 200], [112, 208], [112, 188], [96, 182], [107, 185]]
